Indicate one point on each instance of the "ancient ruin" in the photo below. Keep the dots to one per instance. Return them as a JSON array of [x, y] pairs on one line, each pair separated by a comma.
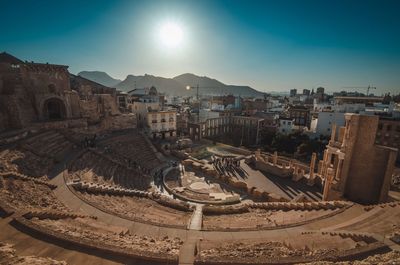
[[81, 184]]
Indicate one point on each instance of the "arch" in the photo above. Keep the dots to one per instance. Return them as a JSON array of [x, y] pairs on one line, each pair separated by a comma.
[[54, 109]]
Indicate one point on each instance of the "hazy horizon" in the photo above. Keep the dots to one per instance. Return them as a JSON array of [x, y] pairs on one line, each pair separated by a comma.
[[269, 46]]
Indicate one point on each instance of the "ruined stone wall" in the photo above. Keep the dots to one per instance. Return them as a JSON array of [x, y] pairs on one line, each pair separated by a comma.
[[119, 122], [367, 163], [109, 104], [90, 109]]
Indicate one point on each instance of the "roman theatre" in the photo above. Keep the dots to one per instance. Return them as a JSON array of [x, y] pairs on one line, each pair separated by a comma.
[[80, 183]]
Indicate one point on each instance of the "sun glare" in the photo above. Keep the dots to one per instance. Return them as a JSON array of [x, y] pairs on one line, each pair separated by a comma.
[[171, 34]]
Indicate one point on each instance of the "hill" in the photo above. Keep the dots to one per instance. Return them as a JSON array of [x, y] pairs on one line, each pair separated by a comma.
[[172, 86], [100, 77]]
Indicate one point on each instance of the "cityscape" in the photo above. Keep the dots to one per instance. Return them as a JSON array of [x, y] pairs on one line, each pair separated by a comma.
[[260, 132]]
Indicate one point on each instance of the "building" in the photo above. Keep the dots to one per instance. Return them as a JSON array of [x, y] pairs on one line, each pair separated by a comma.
[[301, 115], [306, 92], [388, 133], [354, 104], [320, 90], [241, 129], [354, 166], [161, 124], [205, 114], [293, 92], [325, 121], [286, 125], [142, 101], [37, 93], [33, 92]]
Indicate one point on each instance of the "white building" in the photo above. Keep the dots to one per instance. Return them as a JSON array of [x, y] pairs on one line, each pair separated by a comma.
[[144, 100], [205, 114], [286, 125], [162, 124], [325, 121]]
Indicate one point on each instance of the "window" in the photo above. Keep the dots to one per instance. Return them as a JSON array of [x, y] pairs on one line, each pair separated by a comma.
[[389, 127], [380, 126]]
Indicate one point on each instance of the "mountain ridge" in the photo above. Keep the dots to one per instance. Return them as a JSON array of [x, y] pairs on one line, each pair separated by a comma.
[[172, 86]]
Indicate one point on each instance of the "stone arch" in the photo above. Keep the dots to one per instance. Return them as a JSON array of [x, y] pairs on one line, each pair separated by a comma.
[[54, 109]]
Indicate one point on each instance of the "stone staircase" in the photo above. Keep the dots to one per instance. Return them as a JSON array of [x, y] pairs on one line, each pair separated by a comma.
[[47, 144], [107, 189], [288, 206], [55, 215], [27, 178]]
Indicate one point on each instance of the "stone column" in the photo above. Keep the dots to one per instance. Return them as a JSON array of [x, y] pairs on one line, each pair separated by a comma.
[[327, 185], [333, 134], [275, 158], [320, 166], [312, 167], [339, 169]]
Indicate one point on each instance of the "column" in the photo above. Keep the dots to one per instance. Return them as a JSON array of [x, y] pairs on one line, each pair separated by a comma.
[[333, 134], [312, 168], [327, 186], [275, 158], [339, 169]]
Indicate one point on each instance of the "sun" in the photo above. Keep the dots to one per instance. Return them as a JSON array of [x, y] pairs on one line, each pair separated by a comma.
[[171, 34]]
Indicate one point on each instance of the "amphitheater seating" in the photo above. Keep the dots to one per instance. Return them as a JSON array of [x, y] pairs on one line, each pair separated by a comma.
[[113, 240], [158, 211], [23, 194], [25, 162], [298, 248], [251, 218], [288, 206], [132, 147], [50, 144], [95, 168]]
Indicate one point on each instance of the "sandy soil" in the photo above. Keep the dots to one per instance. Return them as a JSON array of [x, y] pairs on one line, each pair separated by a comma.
[[8, 256]]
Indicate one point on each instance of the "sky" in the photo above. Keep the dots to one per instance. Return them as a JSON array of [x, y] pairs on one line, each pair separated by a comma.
[[268, 45]]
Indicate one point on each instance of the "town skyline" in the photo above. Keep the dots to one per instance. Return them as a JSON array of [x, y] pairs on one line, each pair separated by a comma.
[[308, 45]]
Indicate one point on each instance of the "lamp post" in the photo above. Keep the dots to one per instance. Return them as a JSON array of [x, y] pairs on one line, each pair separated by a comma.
[[197, 90]]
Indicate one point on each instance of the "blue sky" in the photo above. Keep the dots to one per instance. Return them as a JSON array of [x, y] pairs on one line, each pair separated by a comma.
[[269, 45]]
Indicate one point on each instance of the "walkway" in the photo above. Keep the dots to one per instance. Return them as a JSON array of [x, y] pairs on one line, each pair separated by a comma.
[[280, 186], [197, 218]]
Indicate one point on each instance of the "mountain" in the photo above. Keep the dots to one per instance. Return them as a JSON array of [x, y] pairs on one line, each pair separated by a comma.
[[172, 86], [211, 86], [163, 85], [100, 77]]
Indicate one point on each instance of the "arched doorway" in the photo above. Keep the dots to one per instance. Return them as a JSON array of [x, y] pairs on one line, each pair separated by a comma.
[[54, 109]]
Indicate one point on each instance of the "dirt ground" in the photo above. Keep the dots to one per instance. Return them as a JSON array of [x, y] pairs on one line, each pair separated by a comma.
[[8, 255]]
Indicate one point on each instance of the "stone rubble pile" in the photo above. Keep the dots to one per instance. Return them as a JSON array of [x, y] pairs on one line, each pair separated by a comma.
[[103, 233], [27, 195], [8, 255], [259, 252]]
